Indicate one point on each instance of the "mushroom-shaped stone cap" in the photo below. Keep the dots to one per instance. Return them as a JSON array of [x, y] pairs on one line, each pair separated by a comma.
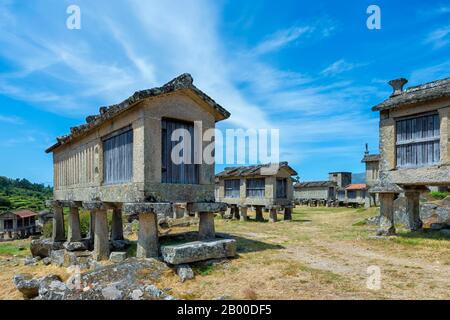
[[386, 187], [397, 85]]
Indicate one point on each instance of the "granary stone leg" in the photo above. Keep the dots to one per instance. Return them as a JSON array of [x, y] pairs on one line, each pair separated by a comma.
[[206, 227], [117, 225], [243, 213], [101, 238], [147, 246], [73, 228], [287, 214], [273, 215], [259, 214], [413, 209], [58, 225], [386, 214], [236, 213], [91, 234]]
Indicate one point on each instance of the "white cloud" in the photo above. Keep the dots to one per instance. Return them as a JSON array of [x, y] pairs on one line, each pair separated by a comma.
[[338, 67], [281, 38], [11, 119], [439, 38]]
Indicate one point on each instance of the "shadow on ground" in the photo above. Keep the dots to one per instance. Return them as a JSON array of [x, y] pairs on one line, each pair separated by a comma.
[[426, 234]]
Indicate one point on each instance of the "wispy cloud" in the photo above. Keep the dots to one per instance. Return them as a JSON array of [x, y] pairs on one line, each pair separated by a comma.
[[281, 39], [340, 66], [11, 119], [439, 38]]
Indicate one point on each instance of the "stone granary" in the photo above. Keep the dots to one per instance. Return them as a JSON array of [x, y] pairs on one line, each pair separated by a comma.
[[259, 186], [355, 194], [17, 224], [372, 162], [414, 146], [121, 159], [315, 193]]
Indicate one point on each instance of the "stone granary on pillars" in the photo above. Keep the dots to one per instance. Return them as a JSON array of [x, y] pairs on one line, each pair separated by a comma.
[[268, 186], [372, 162], [17, 224], [121, 159], [414, 146], [355, 194], [315, 193]]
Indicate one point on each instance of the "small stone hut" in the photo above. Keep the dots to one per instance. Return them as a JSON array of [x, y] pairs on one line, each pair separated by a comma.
[[315, 192], [268, 186], [414, 147], [372, 162], [121, 160], [17, 224]]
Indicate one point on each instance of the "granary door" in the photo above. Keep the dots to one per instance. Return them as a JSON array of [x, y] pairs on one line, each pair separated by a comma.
[[172, 171]]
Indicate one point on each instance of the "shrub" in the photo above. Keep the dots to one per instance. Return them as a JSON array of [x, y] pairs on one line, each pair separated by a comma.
[[439, 195], [47, 229]]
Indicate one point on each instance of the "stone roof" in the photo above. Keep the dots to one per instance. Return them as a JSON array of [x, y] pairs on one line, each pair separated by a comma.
[[371, 158], [182, 82], [252, 170], [315, 184], [385, 187], [422, 93]]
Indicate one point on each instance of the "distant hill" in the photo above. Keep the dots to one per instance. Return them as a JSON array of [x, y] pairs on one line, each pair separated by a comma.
[[22, 194], [359, 177]]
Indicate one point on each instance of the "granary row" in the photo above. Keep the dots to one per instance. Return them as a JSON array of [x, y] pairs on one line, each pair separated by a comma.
[[122, 159]]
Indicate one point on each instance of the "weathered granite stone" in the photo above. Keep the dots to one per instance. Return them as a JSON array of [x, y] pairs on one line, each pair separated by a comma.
[[185, 272], [77, 258], [31, 261], [28, 286], [119, 245], [117, 257], [148, 207], [43, 247], [207, 207], [57, 257], [75, 246], [198, 251], [46, 261]]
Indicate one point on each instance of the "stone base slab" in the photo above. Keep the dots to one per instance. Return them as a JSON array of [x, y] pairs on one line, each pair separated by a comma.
[[198, 251], [147, 207]]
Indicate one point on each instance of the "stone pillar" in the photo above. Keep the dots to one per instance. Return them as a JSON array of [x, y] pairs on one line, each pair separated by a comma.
[[236, 213], [243, 213], [101, 238], [386, 214], [58, 234], [413, 209], [117, 225], [273, 215], [147, 246], [91, 234], [287, 214], [206, 227], [259, 214], [73, 226]]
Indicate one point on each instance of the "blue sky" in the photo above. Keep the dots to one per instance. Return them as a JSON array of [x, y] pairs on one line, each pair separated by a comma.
[[311, 69]]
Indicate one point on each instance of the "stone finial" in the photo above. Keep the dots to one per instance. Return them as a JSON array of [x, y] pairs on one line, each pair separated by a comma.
[[367, 150], [397, 85]]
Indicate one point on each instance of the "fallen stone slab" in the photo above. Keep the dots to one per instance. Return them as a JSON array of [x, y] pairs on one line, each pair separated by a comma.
[[198, 251], [75, 246]]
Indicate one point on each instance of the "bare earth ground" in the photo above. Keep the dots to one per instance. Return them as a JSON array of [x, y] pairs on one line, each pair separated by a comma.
[[323, 253]]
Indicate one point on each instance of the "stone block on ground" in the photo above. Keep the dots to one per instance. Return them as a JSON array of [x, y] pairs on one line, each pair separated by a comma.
[[198, 251], [117, 257], [28, 286], [57, 257], [185, 272], [77, 258], [75, 246], [43, 247]]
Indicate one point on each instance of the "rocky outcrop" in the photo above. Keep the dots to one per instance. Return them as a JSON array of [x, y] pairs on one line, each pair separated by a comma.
[[130, 280], [198, 251]]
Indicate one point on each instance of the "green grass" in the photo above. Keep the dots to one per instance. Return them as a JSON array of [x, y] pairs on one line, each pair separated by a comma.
[[204, 270], [17, 248]]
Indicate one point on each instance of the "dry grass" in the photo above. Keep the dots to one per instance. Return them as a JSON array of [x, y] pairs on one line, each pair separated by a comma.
[[323, 253]]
